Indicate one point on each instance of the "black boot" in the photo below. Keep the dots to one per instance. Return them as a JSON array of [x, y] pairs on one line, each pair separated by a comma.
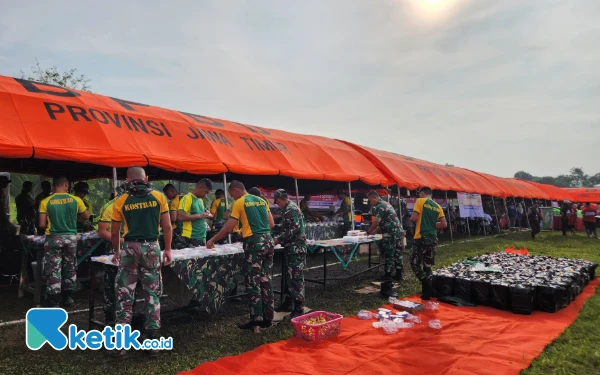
[[249, 325], [266, 324], [152, 334], [298, 309], [398, 275], [387, 291], [286, 306], [52, 300], [233, 296], [67, 301], [109, 318], [427, 288]]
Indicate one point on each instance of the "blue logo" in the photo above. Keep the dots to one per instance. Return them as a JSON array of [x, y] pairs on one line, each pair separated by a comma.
[[43, 326]]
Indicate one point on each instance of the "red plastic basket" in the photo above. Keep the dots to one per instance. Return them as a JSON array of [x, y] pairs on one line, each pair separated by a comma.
[[316, 332]]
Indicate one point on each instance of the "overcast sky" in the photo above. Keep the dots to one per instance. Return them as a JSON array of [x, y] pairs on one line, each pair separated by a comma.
[[493, 86]]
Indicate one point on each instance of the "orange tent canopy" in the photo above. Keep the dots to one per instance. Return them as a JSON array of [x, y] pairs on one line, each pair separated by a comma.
[[583, 195], [414, 173], [53, 123]]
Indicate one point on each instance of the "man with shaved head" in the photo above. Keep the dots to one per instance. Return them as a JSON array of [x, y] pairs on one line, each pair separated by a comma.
[[252, 213], [141, 210]]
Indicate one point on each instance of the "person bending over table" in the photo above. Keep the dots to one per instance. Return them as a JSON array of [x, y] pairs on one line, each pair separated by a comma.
[[386, 220], [192, 214], [306, 212], [293, 240], [252, 213]]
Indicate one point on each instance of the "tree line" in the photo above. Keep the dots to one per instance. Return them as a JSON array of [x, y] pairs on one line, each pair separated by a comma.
[[576, 178]]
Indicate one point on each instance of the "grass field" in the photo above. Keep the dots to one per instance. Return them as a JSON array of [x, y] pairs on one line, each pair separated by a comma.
[[198, 337]]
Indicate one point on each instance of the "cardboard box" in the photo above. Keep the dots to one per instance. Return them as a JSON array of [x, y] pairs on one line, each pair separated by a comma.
[[413, 310]]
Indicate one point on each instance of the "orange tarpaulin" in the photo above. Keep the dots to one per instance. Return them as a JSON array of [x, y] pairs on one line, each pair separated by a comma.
[[473, 340], [553, 192], [53, 123], [414, 173], [45, 122], [512, 250], [583, 195]]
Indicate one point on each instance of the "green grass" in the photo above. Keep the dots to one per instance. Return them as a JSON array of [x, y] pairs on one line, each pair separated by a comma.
[[199, 338]]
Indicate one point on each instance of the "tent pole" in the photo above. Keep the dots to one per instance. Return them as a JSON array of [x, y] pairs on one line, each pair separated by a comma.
[[483, 219], [399, 204], [226, 201], [297, 193], [449, 219], [115, 181], [468, 227], [496, 214], [351, 205]]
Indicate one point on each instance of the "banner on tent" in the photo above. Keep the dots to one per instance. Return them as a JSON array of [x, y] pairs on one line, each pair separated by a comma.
[[316, 201], [470, 205]]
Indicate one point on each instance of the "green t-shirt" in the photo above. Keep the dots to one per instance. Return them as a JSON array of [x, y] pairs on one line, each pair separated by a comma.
[[62, 210], [218, 209], [141, 215], [429, 214], [192, 205], [346, 206], [253, 215]]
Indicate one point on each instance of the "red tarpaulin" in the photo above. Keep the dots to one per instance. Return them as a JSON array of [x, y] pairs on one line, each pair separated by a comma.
[[473, 340]]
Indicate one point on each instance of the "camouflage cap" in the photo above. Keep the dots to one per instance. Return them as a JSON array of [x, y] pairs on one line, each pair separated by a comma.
[[280, 194]]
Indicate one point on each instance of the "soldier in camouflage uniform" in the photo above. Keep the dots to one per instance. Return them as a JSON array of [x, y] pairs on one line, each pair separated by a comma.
[[293, 240], [110, 272], [428, 217], [391, 244], [59, 214], [253, 214], [140, 210]]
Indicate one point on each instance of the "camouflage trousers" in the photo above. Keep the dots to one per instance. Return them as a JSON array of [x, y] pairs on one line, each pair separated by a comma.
[[27, 225], [294, 276], [391, 247], [110, 275], [192, 242], [258, 252], [178, 242], [60, 264], [423, 257], [140, 261]]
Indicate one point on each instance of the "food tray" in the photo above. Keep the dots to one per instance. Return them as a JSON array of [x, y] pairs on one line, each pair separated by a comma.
[[317, 332]]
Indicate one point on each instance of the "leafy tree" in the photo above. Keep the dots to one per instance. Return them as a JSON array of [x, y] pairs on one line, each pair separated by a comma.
[[594, 180], [524, 176], [69, 78], [575, 178], [578, 177]]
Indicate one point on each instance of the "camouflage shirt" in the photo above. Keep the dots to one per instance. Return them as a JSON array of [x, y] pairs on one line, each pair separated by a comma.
[[292, 223], [386, 215]]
